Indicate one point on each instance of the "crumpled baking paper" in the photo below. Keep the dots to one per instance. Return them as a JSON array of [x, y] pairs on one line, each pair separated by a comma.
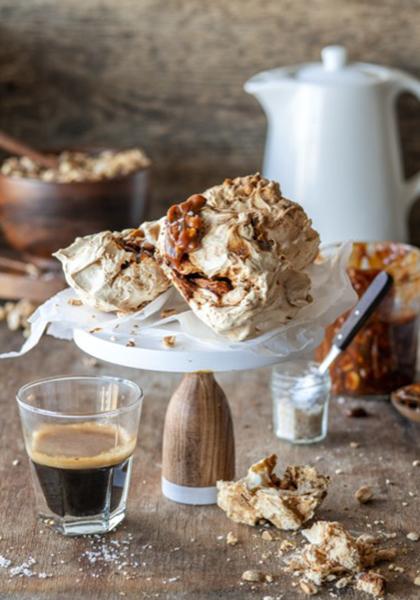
[[331, 290]]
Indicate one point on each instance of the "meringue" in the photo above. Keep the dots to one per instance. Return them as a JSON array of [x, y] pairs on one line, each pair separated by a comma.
[[242, 273], [285, 502], [114, 271]]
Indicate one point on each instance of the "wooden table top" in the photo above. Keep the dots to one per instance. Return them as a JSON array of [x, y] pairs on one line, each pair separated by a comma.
[[165, 550]]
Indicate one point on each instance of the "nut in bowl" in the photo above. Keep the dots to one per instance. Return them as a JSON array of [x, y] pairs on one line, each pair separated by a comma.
[[93, 190]]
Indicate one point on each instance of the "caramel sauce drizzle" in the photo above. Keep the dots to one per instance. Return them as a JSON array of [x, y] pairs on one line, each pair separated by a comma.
[[185, 228]]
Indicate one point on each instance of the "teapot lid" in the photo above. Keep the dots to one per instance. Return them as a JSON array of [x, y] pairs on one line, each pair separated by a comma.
[[334, 68]]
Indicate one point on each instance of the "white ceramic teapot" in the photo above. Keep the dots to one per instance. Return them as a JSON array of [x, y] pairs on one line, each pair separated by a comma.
[[333, 144]]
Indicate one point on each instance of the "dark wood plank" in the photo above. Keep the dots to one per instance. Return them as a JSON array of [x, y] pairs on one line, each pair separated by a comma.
[[169, 75], [188, 543]]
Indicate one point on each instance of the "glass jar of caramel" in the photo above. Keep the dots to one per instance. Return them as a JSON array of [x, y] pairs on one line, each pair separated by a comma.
[[383, 355]]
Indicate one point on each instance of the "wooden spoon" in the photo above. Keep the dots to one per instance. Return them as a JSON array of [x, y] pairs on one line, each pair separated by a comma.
[[15, 146]]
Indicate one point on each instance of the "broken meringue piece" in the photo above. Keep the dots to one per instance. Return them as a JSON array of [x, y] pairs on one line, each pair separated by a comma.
[[333, 551], [371, 583], [286, 502], [237, 254], [114, 271]]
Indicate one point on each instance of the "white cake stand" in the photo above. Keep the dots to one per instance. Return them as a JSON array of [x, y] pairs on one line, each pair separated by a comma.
[[198, 439]]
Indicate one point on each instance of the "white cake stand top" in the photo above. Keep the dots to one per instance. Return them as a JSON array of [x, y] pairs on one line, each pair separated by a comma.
[[186, 356]]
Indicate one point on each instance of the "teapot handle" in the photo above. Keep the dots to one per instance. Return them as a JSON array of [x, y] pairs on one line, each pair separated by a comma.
[[406, 83]]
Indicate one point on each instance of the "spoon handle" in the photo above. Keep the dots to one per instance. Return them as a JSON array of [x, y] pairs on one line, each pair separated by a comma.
[[14, 146], [358, 317], [363, 309]]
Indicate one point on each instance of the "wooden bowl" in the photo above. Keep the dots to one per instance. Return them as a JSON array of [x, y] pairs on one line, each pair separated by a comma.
[[407, 401], [39, 217]]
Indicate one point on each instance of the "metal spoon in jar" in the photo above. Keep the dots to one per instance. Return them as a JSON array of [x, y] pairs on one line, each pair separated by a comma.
[[358, 317]]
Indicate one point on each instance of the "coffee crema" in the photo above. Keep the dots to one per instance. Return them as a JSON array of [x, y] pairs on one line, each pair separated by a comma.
[[83, 445]]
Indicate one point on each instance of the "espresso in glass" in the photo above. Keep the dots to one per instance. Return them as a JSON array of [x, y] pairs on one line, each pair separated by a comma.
[[83, 468], [80, 434]]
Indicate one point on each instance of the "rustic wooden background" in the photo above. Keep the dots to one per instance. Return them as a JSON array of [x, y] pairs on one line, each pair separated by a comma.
[[168, 74]]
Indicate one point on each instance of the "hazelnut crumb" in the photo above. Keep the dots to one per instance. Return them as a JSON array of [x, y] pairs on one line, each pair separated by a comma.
[[231, 539], [15, 462], [417, 580], [287, 546], [308, 587], [413, 536], [167, 312], [266, 535], [169, 341], [354, 445], [269, 578], [74, 302], [364, 494], [252, 575], [416, 463]]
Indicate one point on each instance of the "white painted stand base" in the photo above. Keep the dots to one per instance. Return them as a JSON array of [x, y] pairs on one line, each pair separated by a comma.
[[189, 495]]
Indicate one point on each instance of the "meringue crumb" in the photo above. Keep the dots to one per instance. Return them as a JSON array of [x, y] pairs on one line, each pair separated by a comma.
[[74, 302], [231, 539], [266, 535], [169, 341], [413, 536], [252, 575], [364, 494]]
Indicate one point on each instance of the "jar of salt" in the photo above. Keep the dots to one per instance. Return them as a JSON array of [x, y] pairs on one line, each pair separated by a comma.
[[300, 401]]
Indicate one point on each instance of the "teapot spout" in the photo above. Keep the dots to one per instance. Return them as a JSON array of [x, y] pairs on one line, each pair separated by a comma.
[[271, 88]]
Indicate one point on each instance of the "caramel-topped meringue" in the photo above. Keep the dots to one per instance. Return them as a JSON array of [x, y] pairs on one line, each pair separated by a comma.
[[237, 254], [114, 271]]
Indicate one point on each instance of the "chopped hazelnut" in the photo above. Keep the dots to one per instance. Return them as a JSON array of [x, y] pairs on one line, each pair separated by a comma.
[[413, 536], [252, 575], [266, 535], [287, 546], [308, 587], [74, 302], [231, 539], [169, 341], [364, 494]]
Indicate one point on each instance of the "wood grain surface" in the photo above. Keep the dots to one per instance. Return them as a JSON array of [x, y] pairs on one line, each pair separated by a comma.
[[181, 551], [198, 444], [169, 75]]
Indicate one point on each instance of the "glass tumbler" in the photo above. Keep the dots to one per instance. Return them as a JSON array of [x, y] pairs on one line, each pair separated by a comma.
[[80, 434]]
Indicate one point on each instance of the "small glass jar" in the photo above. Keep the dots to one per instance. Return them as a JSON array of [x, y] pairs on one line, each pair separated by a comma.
[[300, 402]]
